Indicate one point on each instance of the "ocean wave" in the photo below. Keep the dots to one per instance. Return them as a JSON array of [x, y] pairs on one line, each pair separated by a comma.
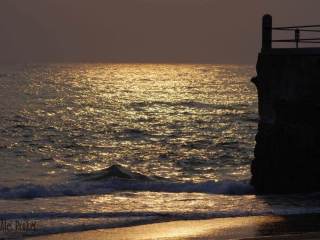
[[28, 191], [285, 211], [117, 178]]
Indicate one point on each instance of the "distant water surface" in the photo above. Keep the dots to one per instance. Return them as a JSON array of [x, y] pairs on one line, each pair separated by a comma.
[[182, 122]]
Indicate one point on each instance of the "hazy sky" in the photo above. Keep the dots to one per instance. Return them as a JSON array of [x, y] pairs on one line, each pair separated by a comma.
[[218, 31]]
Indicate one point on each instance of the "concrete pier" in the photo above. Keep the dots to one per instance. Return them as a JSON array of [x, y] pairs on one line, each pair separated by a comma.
[[287, 152]]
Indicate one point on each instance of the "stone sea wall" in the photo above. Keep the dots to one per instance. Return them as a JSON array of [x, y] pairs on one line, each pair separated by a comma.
[[287, 152]]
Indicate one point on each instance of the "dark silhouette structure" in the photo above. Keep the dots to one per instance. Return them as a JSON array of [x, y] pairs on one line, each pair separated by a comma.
[[287, 152]]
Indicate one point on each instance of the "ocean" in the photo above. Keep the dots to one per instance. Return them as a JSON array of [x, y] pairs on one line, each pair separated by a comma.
[[89, 146]]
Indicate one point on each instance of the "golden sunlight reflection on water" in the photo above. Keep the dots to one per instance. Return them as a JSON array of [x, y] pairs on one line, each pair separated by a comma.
[[185, 122]]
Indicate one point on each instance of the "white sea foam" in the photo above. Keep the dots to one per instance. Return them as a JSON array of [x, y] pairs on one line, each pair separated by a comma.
[[81, 188]]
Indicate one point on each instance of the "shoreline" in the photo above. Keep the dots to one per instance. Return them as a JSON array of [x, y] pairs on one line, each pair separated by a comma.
[[253, 227]]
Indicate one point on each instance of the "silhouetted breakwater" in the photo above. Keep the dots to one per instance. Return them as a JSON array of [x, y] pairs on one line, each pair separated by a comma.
[[287, 152]]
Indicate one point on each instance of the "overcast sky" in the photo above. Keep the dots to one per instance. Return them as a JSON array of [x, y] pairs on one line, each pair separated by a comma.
[[217, 31]]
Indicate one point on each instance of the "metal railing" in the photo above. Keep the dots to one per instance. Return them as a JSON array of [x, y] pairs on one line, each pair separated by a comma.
[[267, 30]]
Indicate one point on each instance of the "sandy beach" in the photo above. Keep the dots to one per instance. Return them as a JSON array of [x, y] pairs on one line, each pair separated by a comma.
[[262, 227]]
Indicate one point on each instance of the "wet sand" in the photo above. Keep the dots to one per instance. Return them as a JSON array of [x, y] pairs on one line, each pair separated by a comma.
[[262, 227]]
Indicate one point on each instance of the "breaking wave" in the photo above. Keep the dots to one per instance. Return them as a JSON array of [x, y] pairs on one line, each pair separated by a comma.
[[116, 178]]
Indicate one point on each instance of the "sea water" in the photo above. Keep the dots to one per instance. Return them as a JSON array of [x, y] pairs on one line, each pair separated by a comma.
[[184, 134]]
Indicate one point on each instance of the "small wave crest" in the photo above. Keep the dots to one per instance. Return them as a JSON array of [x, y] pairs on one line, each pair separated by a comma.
[[187, 104]]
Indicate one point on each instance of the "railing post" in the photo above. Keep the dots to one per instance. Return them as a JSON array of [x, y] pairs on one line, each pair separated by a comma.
[[297, 37], [267, 32]]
